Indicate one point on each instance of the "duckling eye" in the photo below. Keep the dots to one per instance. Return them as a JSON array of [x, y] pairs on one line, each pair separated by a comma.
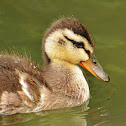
[[79, 45]]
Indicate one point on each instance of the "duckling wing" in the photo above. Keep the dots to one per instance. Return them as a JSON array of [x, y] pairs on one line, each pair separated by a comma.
[[20, 83]]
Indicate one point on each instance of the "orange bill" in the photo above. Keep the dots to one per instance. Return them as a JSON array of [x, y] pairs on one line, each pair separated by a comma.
[[95, 68]]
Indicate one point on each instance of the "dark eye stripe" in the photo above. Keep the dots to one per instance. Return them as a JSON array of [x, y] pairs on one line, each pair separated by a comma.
[[88, 52], [74, 42], [78, 45]]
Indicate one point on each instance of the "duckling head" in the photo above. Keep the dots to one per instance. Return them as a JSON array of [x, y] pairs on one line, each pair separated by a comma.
[[69, 40]]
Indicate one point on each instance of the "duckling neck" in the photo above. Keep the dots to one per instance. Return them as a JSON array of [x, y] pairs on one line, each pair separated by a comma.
[[67, 79]]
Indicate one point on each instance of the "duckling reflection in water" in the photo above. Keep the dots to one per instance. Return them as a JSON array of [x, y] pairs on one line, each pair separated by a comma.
[[60, 83]]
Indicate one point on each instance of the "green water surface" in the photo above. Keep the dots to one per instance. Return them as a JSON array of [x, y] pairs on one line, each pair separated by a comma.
[[22, 25]]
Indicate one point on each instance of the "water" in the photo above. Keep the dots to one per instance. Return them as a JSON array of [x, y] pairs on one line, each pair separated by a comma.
[[22, 24]]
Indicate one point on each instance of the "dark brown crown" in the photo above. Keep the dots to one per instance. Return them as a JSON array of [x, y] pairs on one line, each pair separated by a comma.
[[71, 24]]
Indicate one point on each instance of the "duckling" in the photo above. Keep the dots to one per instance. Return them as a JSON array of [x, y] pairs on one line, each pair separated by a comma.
[[60, 83]]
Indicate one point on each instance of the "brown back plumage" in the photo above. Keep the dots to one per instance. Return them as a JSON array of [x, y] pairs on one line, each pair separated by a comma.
[[9, 80]]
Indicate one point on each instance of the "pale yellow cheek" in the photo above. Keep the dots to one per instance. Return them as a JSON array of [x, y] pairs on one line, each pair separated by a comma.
[[76, 55], [53, 50], [88, 46], [82, 55], [51, 46]]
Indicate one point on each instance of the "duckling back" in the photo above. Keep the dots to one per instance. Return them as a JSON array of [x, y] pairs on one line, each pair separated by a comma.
[[20, 82]]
